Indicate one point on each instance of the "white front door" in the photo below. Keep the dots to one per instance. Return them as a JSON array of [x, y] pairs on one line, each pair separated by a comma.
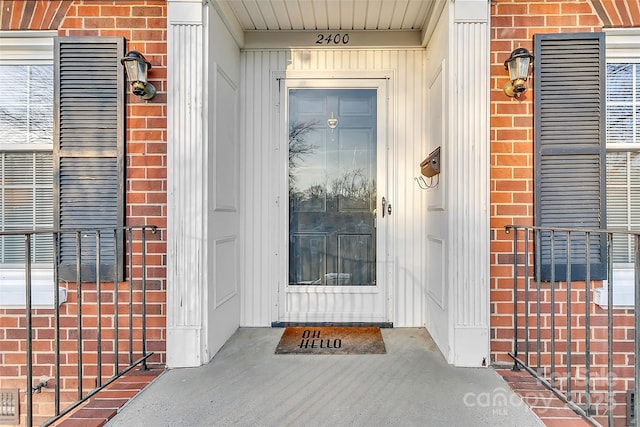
[[338, 208]]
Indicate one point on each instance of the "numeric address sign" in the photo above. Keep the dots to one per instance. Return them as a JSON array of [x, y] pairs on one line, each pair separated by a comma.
[[332, 39]]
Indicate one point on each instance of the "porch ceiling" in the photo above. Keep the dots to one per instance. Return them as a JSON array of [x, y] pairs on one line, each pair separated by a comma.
[[265, 15]]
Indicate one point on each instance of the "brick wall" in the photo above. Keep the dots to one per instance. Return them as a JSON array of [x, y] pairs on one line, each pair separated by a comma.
[[514, 22], [143, 24]]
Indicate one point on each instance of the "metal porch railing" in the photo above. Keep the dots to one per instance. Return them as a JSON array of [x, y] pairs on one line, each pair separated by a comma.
[[94, 298], [582, 352]]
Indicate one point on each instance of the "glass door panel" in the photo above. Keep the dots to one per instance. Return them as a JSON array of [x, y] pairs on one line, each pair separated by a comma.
[[332, 187]]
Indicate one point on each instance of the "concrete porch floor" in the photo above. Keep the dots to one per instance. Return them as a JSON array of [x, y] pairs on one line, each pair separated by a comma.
[[246, 384]]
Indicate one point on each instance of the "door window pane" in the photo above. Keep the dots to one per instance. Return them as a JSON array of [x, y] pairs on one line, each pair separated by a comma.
[[332, 186]]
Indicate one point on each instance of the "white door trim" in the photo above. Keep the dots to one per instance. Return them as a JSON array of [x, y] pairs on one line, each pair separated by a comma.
[[379, 296]]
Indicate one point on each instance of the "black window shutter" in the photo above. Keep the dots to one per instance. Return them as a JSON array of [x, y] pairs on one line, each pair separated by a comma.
[[89, 152], [569, 135]]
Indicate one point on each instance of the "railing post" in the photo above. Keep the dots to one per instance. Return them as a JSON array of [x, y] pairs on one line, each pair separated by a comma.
[[587, 326], [99, 310], [143, 367], [79, 308], [538, 274], [56, 299], [515, 299], [130, 232], [552, 296], [116, 326], [526, 295], [29, 332], [610, 328], [569, 302], [636, 314]]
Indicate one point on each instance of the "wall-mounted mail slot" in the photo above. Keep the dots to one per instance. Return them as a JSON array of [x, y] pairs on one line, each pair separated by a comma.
[[431, 165]]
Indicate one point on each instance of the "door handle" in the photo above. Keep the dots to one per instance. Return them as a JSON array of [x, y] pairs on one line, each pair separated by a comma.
[[386, 207]]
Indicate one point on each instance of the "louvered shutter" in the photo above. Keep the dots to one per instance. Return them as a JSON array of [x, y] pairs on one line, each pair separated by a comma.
[[89, 151], [569, 133]]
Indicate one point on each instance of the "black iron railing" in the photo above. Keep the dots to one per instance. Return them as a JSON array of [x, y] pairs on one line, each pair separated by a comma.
[[125, 300], [581, 351]]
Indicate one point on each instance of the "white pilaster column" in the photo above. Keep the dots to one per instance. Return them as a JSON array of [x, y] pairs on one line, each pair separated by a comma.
[[469, 160], [186, 178]]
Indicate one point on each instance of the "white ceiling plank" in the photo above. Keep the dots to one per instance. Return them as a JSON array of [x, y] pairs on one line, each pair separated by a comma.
[[320, 13], [268, 14], [241, 14], [293, 10], [360, 14], [282, 15], [333, 14], [386, 12], [308, 17], [416, 14], [256, 15], [230, 19], [373, 14], [274, 15], [346, 15], [399, 13]]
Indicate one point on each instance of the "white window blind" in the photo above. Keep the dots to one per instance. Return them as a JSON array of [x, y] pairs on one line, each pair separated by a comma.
[[26, 164], [623, 155], [26, 159], [26, 203]]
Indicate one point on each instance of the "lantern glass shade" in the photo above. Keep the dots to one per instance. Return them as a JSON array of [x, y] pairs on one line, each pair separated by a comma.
[[136, 67], [519, 68], [136, 70], [518, 64]]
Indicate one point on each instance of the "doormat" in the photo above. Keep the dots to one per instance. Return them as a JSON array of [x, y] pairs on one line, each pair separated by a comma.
[[331, 340]]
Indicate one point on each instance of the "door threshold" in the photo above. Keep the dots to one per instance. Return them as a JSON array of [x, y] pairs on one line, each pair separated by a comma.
[[318, 324]]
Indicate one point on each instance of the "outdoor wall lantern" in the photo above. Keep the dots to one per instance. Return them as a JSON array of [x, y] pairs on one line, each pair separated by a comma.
[[136, 67], [519, 66]]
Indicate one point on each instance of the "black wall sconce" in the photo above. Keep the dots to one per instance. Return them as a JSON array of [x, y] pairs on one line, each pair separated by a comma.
[[137, 67], [519, 66]]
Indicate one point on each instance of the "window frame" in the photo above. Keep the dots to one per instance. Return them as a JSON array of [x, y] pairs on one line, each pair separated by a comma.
[[622, 46], [28, 48]]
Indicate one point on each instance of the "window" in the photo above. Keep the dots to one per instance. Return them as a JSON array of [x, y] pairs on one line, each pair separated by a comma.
[[26, 162], [623, 153], [26, 159]]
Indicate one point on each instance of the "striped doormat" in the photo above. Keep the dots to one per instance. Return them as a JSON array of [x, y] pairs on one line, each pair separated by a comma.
[[331, 340]]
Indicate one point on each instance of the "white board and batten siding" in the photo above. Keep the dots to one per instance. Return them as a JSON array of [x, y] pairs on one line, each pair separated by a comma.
[[264, 214], [227, 172], [438, 247]]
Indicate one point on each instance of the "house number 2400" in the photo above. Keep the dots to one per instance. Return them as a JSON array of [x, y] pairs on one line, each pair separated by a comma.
[[332, 39]]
